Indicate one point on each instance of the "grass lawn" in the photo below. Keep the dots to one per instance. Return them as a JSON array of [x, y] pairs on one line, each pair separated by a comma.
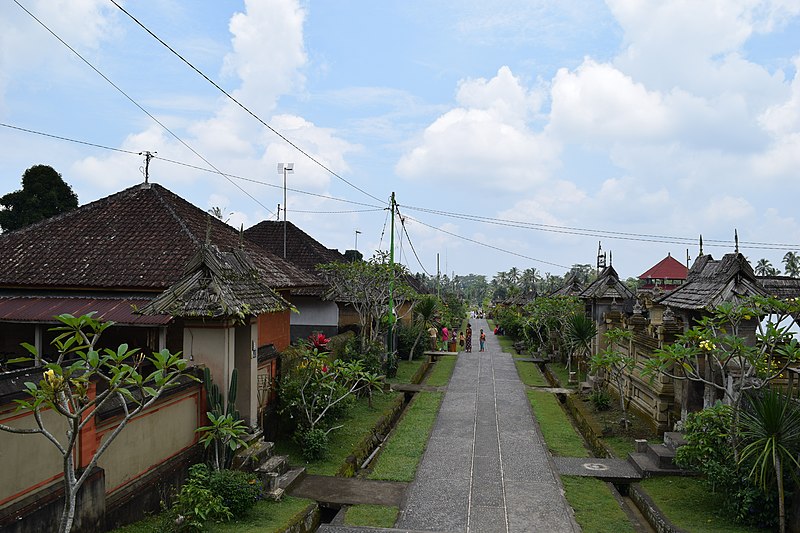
[[371, 515], [559, 434], [405, 371], [530, 374], [559, 370], [400, 456], [506, 344], [620, 446], [266, 517], [357, 424], [439, 375], [689, 504], [595, 507]]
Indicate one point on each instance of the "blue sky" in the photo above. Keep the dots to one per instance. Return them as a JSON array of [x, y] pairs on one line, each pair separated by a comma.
[[591, 119]]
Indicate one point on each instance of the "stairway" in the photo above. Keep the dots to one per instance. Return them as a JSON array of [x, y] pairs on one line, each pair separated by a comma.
[[658, 459], [273, 470]]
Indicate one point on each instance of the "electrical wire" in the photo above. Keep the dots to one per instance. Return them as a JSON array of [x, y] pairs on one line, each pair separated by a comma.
[[134, 102], [385, 220], [195, 167], [241, 105], [411, 244]]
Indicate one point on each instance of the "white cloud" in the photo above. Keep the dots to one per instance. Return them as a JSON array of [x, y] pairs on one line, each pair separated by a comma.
[[728, 209]]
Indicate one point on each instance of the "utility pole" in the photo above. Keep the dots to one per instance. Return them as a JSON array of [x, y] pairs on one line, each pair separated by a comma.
[[438, 275], [391, 279], [356, 246], [284, 169], [147, 157]]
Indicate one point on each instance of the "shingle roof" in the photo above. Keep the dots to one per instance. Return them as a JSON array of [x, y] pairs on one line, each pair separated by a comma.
[[138, 239], [607, 285], [217, 285], [667, 268], [571, 287], [712, 282], [783, 287]]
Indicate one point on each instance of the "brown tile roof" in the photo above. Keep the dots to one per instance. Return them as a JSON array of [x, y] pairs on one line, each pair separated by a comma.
[[217, 285], [137, 239], [42, 309], [301, 248], [711, 282]]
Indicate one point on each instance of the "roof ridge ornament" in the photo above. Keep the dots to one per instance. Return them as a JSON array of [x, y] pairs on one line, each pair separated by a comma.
[[701, 245], [736, 239]]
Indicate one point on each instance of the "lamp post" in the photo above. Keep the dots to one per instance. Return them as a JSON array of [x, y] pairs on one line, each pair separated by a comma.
[[356, 246], [285, 168]]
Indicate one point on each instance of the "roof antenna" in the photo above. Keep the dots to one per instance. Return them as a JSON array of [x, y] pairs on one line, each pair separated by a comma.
[[701, 245], [736, 240], [147, 157]]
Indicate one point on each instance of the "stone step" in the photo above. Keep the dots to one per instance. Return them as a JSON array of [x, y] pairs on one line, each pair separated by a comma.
[[642, 464], [277, 464], [674, 439], [254, 455], [662, 457], [291, 477]]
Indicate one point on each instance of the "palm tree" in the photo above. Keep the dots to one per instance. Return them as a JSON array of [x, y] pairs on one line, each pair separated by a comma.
[[765, 268], [513, 275], [791, 264], [424, 312], [770, 433], [581, 331]]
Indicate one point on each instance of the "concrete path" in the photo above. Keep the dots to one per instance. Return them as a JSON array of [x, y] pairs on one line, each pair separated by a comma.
[[344, 490], [486, 467]]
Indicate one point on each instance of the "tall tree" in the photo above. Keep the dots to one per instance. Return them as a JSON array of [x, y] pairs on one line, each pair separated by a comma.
[[791, 264], [43, 195], [764, 268]]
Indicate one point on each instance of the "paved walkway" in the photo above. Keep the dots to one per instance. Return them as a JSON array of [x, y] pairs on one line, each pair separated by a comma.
[[486, 468], [348, 490]]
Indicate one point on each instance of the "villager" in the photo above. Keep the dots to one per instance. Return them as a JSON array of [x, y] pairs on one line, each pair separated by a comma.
[[483, 340], [461, 339], [445, 337], [469, 338], [432, 336]]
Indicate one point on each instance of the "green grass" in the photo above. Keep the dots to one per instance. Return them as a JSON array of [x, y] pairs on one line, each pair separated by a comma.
[[506, 344], [689, 504], [439, 375], [406, 371], [358, 422], [266, 517], [620, 446], [559, 434], [559, 370], [530, 374], [595, 507], [400, 456], [371, 515]]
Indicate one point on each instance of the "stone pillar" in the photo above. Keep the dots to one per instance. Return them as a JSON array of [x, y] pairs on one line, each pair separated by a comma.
[[246, 361]]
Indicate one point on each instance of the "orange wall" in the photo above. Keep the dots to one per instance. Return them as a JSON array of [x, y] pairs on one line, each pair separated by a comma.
[[273, 328]]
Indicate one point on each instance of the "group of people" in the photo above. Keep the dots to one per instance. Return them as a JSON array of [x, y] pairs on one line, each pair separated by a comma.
[[464, 338]]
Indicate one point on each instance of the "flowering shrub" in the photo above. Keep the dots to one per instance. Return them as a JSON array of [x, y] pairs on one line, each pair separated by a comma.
[[318, 340]]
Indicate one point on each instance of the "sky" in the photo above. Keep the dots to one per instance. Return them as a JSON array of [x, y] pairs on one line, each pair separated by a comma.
[[514, 133]]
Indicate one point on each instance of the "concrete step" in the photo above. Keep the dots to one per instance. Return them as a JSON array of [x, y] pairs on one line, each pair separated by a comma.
[[663, 457], [642, 464], [254, 455], [277, 464], [291, 477]]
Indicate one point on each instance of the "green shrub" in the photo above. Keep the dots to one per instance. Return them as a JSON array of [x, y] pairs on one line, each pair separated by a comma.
[[406, 335], [239, 490], [601, 400], [314, 443], [197, 503]]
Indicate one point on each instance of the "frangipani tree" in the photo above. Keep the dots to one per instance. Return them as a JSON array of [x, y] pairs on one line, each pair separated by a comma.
[[68, 388]]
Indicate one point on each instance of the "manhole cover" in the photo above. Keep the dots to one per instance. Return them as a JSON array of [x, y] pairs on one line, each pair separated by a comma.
[[595, 466]]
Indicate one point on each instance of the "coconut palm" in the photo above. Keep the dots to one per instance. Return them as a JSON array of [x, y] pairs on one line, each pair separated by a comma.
[[764, 268], [770, 433], [424, 313], [581, 330], [791, 264]]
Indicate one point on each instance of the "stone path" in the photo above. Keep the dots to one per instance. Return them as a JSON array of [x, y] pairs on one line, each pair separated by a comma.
[[341, 490], [486, 467]]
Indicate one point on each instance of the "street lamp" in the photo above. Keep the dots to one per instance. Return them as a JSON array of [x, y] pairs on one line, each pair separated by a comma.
[[356, 247], [285, 168]]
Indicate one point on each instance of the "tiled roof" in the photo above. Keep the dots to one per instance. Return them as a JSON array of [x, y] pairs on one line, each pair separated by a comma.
[[44, 308], [783, 287], [138, 239], [667, 268], [217, 285], [301, 248], [607, 285], [712, 282]]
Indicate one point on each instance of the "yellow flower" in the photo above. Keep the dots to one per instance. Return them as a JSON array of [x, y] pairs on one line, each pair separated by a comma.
[[747, 317]]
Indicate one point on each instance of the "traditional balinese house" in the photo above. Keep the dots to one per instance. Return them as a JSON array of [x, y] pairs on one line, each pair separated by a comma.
[[315, 312], [664, 276], [113, 257], [606, 299], [571, 286]]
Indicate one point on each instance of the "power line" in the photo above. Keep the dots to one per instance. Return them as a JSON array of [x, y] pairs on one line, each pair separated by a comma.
[[189, 165], [241, 105], [134, 102], [411, 244], [487, 245]]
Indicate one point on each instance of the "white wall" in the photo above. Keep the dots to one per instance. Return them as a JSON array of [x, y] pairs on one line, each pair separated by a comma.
[[314, 312]]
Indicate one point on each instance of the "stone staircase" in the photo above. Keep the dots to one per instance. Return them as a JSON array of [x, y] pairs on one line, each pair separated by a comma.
[[657, 459], [273, 470]]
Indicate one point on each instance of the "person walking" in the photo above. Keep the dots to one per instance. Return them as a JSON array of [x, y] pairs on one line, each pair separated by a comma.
[[469, 338], [445, 337], [432, 336], [461, 339], [483, 340]]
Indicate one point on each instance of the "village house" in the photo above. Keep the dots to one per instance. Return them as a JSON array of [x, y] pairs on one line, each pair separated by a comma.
[[170, 276]]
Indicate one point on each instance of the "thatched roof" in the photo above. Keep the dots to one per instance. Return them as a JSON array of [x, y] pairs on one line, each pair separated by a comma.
[[711, 282], [571, 287], [782, 287], [607, 286], [217, 285]]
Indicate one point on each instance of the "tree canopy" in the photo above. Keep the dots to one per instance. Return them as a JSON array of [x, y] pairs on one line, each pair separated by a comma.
[[44, 194]]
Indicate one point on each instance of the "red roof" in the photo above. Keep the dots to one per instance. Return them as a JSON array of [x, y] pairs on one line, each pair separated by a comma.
[[44, 308], [667, 268]]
